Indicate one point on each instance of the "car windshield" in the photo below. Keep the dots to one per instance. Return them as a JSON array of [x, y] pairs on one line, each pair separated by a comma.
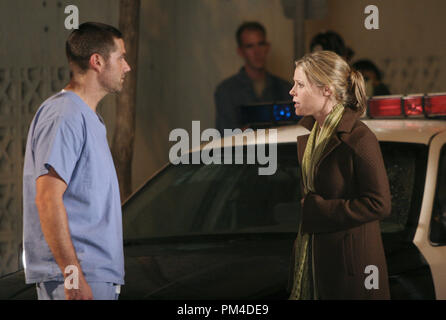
[[203, 199]]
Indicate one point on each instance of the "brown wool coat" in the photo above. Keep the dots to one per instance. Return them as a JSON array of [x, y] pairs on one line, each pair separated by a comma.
[[352, 195]]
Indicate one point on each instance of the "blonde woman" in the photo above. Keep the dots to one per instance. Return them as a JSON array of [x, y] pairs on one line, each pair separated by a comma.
[[345, 186]]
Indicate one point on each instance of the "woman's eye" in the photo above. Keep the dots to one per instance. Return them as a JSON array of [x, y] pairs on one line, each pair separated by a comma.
[[299, 85]]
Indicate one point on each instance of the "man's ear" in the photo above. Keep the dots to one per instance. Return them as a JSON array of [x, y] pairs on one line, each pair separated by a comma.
[[268, 47], [96, 62]]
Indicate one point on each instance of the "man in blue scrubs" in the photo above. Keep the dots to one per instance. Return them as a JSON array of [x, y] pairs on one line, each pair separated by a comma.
[[72, 232]]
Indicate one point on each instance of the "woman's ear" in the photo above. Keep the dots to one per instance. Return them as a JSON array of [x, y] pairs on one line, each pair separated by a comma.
[[326, 91]]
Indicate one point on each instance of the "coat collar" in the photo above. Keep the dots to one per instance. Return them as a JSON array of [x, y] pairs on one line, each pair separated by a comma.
[[345, 126]]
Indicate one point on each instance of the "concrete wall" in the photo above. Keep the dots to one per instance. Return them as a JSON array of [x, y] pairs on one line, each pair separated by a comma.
[[33, 34]]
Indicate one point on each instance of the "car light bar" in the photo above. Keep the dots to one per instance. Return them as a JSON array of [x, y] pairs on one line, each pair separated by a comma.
[[413, 105], [435, 104], [267, 113], [394, 106], [385, 106]]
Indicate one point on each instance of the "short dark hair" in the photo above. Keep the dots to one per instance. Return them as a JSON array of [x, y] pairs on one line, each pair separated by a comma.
[[330, 41], [90, 38], [252, 26], [367, 65]]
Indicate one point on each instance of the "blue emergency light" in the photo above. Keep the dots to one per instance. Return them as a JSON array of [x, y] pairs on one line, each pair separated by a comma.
[[268, 113]]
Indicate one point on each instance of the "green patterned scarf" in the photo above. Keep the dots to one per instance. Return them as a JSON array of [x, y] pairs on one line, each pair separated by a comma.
[[303, 288]]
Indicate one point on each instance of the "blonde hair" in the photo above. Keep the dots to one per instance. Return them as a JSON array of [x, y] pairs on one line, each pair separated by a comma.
[[326, 68]]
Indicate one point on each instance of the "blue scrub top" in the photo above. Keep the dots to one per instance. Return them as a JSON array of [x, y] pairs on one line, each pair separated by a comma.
[[70, 137]]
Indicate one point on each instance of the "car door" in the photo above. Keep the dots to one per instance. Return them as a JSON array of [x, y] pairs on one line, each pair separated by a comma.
[[433, 209]]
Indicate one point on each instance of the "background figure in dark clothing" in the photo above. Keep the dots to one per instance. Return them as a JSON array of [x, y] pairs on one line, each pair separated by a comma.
[[372, 77], [252, 84], [331, 41]]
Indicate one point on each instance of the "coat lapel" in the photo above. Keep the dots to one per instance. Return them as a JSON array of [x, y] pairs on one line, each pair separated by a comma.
[[345, 126], [301, 143], [307, 123], [331, 145]]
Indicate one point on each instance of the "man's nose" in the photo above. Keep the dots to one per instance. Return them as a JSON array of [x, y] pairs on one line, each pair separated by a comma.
[[127, 67]]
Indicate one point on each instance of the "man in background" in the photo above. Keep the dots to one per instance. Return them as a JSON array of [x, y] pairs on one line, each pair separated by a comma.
[[252, 84]]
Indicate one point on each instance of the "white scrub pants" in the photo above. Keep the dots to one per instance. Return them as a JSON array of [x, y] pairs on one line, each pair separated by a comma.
[[54, 290]]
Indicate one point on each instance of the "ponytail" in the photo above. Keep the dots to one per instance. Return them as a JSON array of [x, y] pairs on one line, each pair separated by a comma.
[[357, 93]]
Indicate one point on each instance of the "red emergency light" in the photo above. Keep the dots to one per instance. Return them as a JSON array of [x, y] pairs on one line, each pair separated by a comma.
[[435, 104], [385, 106], [413, 105]]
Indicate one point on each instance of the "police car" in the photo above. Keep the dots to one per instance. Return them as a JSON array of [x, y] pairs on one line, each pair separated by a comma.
[[226, 232], [223, 231]]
